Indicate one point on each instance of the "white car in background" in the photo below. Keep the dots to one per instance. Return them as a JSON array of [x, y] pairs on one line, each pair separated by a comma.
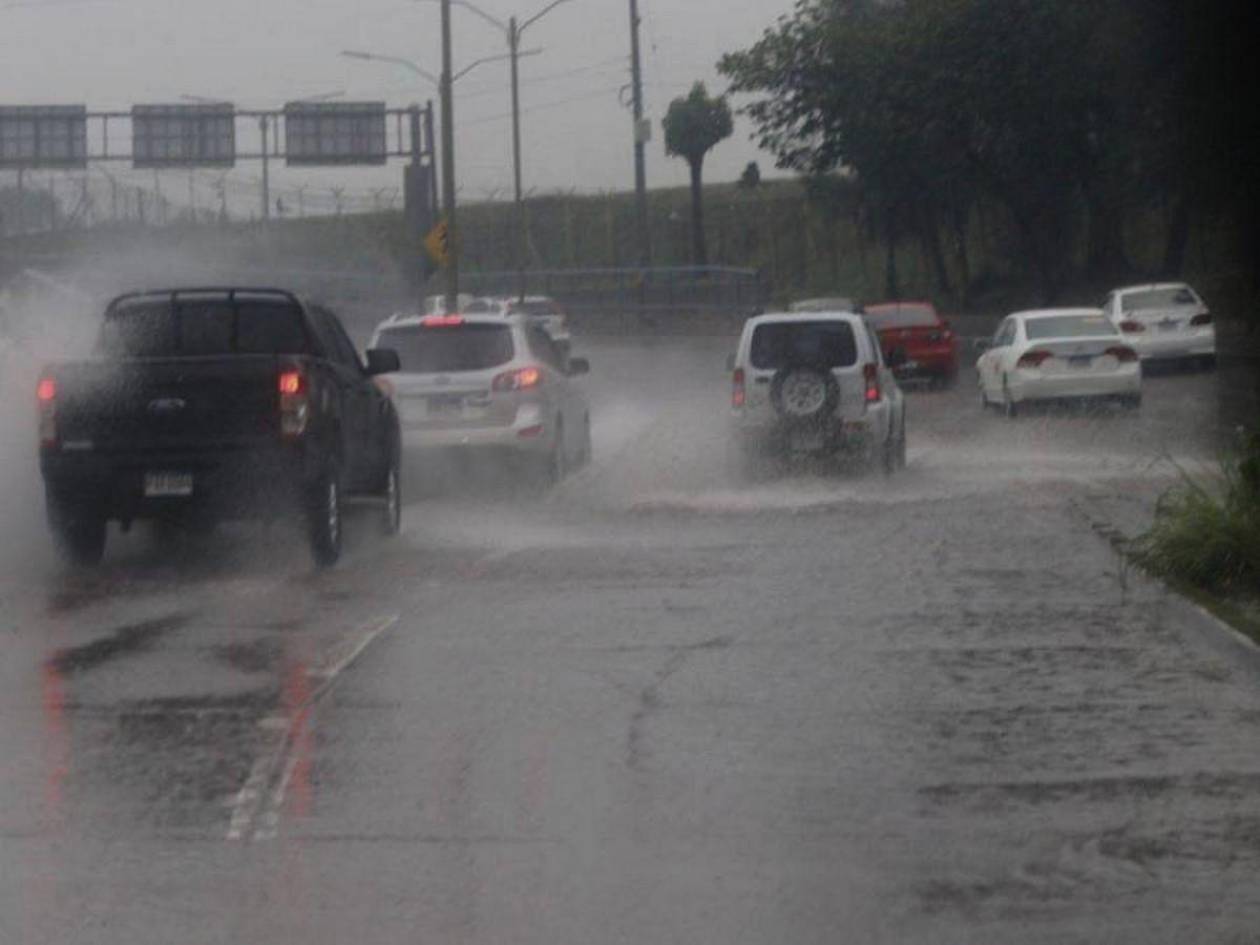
[[540, 310], [815, 384], [436, 304], [1060, 354], [837, 303], [491, 385], [1164, 321]]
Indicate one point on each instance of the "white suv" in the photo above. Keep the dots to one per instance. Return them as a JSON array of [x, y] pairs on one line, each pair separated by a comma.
[[816, 383], [488, 384]]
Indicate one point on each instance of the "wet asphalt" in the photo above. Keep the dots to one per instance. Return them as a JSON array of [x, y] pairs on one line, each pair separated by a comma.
[[655, 705]]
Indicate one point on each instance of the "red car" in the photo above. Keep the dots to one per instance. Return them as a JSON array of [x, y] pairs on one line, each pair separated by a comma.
[[929, 344]]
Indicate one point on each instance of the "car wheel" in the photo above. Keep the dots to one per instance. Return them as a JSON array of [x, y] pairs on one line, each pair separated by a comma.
[[324, 517], [554, 466], [391, 514], [587, 452], [1009, 408], [888, 456], [78, 533]]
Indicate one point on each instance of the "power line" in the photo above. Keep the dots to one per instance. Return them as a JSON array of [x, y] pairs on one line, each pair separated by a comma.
[[537, 108]]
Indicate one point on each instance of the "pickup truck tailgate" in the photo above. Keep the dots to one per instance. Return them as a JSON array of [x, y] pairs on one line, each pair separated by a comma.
[[168, 404]]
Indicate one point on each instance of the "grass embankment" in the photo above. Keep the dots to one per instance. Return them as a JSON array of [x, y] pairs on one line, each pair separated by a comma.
[[1206, 538]]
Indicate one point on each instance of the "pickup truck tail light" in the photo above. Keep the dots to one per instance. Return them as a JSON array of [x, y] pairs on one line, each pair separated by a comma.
[[1130, 327], [1033, 359], [1203, 318], [295, 403], [738, 391], [525, 378], [870, 374], [46, 394], [1122, 354]]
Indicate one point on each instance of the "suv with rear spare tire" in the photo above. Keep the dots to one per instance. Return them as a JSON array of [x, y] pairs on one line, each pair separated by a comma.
[[815, 384]]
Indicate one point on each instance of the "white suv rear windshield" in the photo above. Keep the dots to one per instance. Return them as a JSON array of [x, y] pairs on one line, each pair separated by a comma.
[[828, 344], [449, 349]]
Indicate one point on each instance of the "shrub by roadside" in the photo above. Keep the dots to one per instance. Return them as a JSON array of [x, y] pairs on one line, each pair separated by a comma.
[[1207, 534]]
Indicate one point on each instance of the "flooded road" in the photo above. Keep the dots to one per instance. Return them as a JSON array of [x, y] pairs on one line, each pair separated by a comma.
[[659, 705]]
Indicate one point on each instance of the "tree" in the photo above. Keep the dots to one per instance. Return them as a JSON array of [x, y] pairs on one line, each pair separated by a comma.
[[694, 125], [751, 178]]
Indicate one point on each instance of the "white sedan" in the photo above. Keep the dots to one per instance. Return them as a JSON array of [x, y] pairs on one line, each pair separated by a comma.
[[1058, 355], [1167, 320]]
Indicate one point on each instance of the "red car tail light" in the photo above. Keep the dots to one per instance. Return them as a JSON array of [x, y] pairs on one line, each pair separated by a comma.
[[521, 379], [738, 393], [1122, 354], [1203, 318], [295, 404], [1032, 359], [46, 394], [870, 373], [442, 321], [1130, 327]]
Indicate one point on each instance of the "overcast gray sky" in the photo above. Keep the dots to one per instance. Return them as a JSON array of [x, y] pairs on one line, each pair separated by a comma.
[[260, 53]]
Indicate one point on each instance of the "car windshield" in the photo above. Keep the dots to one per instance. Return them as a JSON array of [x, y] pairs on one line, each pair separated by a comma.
[[883, 317], [195, 327], [1173, 297], [448, 350], [827, 344], [1069, 326]]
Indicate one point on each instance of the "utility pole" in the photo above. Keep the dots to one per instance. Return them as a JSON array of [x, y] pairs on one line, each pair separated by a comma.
[[266, 180], [640, 142], [518, 212], [448, 163]]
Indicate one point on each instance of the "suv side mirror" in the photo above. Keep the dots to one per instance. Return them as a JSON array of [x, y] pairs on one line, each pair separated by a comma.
[[382, 361], [578, 367]]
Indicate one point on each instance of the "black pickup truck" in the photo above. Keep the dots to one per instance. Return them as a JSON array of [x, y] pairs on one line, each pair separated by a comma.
[[202, 405]]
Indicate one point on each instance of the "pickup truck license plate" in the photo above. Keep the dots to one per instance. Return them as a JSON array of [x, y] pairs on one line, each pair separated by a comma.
[[167, 485]]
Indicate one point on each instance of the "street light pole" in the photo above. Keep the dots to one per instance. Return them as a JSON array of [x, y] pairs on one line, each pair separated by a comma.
[[518, 211], [263, 125], [448, 163], [513, 30], [640, 142]]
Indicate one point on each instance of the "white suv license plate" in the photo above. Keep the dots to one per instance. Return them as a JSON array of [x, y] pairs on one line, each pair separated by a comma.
[[167, 485], [805, 442]]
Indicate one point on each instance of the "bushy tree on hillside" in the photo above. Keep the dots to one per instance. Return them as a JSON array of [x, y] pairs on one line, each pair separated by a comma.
[[1072, 116], [694, 125]]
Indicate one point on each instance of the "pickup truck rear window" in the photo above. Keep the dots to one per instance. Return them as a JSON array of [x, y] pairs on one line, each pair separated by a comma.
[[202, 327], [448, 349], [828, 344]]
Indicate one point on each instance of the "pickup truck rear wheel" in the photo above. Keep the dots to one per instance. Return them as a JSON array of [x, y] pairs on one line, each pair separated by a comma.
[[78, 533], [324, 518]]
